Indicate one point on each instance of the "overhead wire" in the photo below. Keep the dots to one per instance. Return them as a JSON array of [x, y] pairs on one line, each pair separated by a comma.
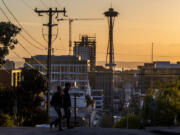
[[43, 4], [57, 3], [20, 33], [21, 25], [53, 22], [64, 49], [28, 64], [103, 52], [32, 57], [27, 5], [22, 44]]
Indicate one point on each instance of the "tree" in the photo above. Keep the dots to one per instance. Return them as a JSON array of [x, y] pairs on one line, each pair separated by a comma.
[[162, 105], [29, 97], [134, 122], [8, 32], [6, 106], [107, 121], [7, 101], [134, 105], [5, 120]]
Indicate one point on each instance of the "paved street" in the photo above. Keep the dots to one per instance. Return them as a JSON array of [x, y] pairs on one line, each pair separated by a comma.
[[76, 131]]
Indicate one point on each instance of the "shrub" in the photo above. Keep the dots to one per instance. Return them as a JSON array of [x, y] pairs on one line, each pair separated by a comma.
[[134, 122], [107, 121], [5, 120], [39, 117]]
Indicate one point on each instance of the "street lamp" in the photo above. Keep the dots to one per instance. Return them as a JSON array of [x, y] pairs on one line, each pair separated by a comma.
[[127, 106]]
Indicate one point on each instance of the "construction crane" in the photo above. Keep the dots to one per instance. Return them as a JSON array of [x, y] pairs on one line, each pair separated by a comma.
[[70, 20]]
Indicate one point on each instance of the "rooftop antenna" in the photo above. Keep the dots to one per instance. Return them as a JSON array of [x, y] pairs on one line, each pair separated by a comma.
[[152, 59]]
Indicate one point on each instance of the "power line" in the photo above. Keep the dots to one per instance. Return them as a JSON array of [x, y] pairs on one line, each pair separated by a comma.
[[67, 50], [22, 44], [24, 38], [50, 24], [32, 57], [20, 33], [27, 5], [57, 3], [31, 66], [21, 25], [4, 14], [17, 55], [31, 42], [43, 4]]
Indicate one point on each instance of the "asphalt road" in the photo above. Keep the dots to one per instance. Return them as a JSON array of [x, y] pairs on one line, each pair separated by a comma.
[[75, 131]]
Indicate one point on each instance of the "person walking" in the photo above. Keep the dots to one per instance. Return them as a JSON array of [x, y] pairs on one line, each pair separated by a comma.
[[57, 103], [67, 104]]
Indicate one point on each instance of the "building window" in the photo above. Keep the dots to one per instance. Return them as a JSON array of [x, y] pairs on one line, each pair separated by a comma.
[[62, 77], [62, 69], [59, 69], [75, 69], [71, 68], [65, 69]]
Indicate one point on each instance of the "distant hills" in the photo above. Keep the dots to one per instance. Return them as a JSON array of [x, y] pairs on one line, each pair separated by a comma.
[[124, 65], [120, 64]]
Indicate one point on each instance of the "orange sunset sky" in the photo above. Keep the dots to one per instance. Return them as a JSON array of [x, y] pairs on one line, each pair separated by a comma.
[[140, 22]]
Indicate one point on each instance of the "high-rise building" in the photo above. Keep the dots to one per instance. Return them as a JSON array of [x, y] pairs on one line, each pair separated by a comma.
[[102, 78], [86, 48]]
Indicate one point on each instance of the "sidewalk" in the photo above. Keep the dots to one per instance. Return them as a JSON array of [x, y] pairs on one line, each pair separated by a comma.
[[164, 130], [75, 131]]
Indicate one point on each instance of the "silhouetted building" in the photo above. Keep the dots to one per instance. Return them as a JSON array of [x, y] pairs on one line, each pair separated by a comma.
[[65, 68], [86, 48], [102, 78], [8, 65], [5, 78], [160, 71]]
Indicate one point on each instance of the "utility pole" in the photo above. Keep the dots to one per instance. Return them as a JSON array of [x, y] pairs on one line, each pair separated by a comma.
[[75, 107], [152, 52], [50, 12], [70, 36]]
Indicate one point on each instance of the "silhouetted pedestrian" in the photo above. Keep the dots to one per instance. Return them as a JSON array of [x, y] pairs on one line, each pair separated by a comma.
[[67, 104], [57, 103]]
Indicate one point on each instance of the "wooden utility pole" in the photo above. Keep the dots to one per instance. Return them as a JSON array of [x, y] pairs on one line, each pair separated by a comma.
[[50, 12], [75, 107]]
